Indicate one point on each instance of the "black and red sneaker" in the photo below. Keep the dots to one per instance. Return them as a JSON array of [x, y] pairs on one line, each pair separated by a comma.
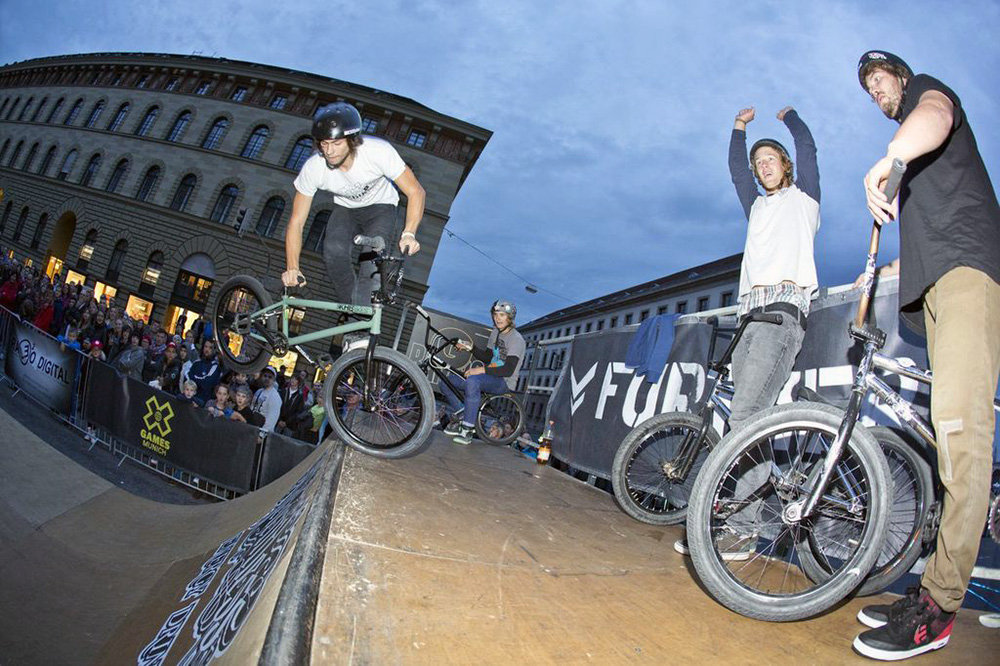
[[915, 625], [878, 615]]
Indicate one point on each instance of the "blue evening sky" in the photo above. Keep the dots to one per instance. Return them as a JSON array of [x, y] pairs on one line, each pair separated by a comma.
[[611, 118]]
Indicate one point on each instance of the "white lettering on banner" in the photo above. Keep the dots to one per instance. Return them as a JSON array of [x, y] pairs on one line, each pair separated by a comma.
[[629, 415], [608, 389], [673, 399], [577, 387]]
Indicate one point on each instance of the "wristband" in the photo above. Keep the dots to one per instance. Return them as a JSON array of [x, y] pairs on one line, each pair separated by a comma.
[[410, 234]]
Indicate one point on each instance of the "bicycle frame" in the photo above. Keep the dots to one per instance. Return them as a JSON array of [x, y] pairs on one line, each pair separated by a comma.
[[285, 305]]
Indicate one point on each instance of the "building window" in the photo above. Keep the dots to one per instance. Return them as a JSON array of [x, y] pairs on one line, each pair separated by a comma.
[[117, 259], [117, 176], [576, 331], [369, 125], [279, 101], [38, 109], [295, 319], [203, 88], [301, 151], [682, 307], [119, 118], [74, 112], [661, 310], [148, 183], [39, 230], [31, 157], [47, 162], [6, 216], [55, 110], [92, 166], [183, 193], [24, 109], [255, 143], [118, 79], [270, 216], [67, 165], [588, 327], [143, 81], [239, 94], [644, 315], [151, 275], [172, 84], [702, 303], [726, 300], [94, 78], [13, 107], [214, 136], [179, 126], [628, 319], [317, 232], [20, 224], [224, 204], [613, 323], [416, 139], [192, 290], [147, 122], [6, 145], [95, 114], [15, 154]]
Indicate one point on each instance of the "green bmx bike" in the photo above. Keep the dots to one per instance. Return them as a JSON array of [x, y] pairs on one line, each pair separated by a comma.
[[377, 400]]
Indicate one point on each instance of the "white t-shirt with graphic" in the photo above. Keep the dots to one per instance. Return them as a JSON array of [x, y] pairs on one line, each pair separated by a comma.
[[369, 180]]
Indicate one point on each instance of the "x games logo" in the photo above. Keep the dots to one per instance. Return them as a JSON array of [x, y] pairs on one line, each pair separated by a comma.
[[157, 422]]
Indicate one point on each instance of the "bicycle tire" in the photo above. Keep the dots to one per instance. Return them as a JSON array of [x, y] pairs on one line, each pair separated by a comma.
[[399, 423], [502, 408], [994, 519], [785, 442], [235, 297], [912, 497], [640, 484]]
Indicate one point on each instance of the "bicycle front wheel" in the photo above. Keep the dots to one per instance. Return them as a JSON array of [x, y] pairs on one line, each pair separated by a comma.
[[386, 409], [643, 477], [500, 419], [238, 337], [743, 529], [912, 497]]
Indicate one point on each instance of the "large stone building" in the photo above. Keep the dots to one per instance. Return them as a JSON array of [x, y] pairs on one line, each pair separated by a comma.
[[709, 287], [128, 172]]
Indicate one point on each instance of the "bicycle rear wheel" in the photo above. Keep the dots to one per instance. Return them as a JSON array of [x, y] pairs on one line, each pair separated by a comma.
[[500, 419], [912, 497], [744, 500], [237, 337], [386, 410], [639, 472]]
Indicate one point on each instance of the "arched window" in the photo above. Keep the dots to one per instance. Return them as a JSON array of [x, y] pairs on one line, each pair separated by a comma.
[[16, 153], [29, 160], [87, 249], [117, 176], [95, 114], [68, 164], [255, 143], [117, 261], [6, 216], [151, 275], [24, 109], [47, 162], [3, 106], [183, 193], [224, 204], [148, 183], [39, 230], [55, 109], [13, 106], [214, 136], [20, 224], [317, 232], [74, 112], [92, 166], [38, 109], [147, 121], [302, 151], [179, 126], [3, 151], [270, 216], [119, 118]]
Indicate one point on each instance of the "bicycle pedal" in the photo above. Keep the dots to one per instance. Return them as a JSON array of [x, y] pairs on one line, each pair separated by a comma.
[[324, 360]]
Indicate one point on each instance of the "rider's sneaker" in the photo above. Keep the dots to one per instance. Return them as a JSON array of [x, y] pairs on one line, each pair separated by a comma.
[[916, 626], [731, 547], [453, 428], [877, 615], [465, 436]]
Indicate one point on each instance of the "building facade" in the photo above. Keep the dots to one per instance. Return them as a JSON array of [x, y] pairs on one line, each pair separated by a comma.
[[130, 172], [709, 287]]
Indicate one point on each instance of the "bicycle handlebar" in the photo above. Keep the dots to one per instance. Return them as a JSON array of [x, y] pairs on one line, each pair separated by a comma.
[[890, 190]]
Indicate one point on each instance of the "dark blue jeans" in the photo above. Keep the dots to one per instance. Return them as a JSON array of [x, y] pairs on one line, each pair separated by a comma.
[[474, 387]]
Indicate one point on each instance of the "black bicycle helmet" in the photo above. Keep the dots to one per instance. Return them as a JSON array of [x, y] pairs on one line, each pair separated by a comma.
[[773, 144], [336, 121], [873, 58], [504, 306]]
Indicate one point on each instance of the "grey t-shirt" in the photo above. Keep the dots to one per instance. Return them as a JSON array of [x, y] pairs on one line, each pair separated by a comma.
[[509, 343]]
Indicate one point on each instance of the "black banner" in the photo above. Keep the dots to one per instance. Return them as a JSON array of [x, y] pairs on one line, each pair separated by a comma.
[[180, 433], [281, 454], [598, 399]]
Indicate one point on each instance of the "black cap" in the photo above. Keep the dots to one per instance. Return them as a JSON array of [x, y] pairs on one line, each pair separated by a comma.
[[880, 57]]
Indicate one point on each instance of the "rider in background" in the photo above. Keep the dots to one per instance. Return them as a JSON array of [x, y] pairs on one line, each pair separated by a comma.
[[362, 173], [501, 358], [949, 270], [778, 275]]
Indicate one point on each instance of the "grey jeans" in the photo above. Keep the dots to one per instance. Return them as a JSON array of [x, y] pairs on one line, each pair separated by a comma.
[[350, 285], [762, 362]]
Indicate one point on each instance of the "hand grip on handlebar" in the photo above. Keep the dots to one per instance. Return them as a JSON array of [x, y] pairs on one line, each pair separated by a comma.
[[376, 243], [890, 190], [895, 178]]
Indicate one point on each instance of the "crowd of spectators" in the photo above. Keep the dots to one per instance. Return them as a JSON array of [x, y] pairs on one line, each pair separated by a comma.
[[183, 363]]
